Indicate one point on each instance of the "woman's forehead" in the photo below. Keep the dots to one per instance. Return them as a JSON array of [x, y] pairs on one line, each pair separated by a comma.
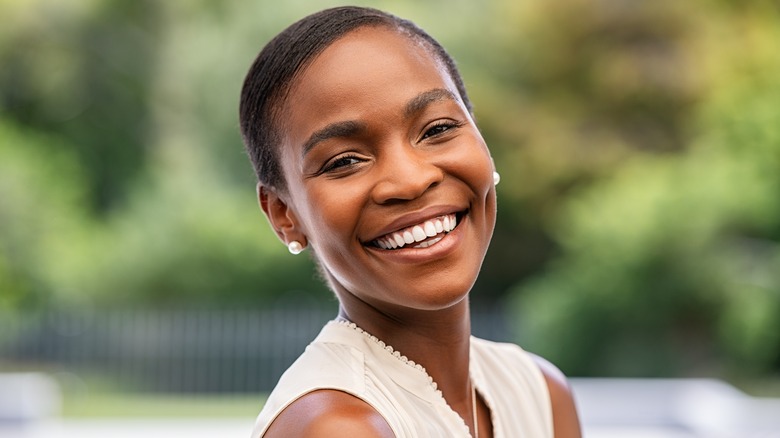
[[368, 67]]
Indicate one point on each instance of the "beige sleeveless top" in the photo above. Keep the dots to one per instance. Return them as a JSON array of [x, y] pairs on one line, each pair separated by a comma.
[[345, 358]]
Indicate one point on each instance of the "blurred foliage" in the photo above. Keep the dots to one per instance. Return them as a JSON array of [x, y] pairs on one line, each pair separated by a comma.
[[670, 264], [82, 72], [576, 88], [42, 215], [639, 216], [166, 212]]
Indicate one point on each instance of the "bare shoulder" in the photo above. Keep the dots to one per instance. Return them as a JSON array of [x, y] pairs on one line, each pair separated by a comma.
[[329, 413], [566, 422]]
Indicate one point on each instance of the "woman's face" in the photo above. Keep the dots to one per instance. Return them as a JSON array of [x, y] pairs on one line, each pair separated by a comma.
[[377, 147]]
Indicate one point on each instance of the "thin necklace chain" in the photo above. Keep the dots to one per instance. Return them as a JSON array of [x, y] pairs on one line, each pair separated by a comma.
[[474, 410]]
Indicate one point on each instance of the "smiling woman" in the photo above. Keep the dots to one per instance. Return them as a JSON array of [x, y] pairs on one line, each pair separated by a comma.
[[367, 153]]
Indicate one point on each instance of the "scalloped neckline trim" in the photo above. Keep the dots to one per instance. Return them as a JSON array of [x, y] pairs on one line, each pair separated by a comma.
[[397, 354]]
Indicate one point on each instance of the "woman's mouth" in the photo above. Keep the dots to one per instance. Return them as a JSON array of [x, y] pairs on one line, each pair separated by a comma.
[[421, 235]]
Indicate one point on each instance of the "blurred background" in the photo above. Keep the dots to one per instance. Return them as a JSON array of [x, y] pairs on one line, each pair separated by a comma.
[[639, 209]]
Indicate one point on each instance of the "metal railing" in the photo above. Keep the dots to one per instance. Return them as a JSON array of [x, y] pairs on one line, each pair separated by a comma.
[[176, 351]]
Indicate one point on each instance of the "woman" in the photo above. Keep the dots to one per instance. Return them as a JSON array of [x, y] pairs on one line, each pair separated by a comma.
[[367, 155]]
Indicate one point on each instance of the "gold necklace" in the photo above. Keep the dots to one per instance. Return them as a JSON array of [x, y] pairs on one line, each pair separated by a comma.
[[474, 410]]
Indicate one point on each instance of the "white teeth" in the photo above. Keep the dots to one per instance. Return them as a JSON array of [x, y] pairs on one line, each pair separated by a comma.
[[428, 243], [424, 234]]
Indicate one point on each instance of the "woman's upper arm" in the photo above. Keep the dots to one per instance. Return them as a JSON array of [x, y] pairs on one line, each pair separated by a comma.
[[329, 413], [566, 423]]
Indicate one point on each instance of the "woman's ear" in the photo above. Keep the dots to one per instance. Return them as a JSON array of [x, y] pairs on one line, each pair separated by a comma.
[[280, 215]]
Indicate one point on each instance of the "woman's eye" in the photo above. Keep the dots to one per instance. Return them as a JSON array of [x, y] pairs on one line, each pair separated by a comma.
[[439, 128], [340, 163]]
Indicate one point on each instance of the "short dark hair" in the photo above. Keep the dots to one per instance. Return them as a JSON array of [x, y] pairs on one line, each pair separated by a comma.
[[271, 75]]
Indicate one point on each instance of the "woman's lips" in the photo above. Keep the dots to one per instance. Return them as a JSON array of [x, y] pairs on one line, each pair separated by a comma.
[[421, 235]]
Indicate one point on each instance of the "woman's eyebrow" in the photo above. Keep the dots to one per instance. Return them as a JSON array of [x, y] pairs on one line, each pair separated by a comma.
[[422, 100], [350, 128], [338, 129]]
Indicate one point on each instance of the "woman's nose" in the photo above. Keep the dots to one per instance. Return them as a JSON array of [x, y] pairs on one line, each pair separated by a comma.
[[405, 174]]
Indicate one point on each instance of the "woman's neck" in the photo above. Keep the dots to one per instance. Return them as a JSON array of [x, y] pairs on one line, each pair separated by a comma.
[[438, 340]]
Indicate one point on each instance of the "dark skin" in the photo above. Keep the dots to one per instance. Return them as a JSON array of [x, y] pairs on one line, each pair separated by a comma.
[[395, 148]]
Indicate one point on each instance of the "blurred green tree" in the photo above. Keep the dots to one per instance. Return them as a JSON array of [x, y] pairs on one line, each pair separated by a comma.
[[81, 71], [42, 216], [671, 264], [571, 90], [130, 92]]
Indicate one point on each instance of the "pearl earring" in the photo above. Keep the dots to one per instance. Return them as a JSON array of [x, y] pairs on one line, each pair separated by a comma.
[[496, 178], [295, 247]]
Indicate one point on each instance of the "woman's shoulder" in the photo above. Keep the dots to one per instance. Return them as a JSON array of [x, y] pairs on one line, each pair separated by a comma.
[[565, 418], [323, 368], [535, 374], [329, 413]]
